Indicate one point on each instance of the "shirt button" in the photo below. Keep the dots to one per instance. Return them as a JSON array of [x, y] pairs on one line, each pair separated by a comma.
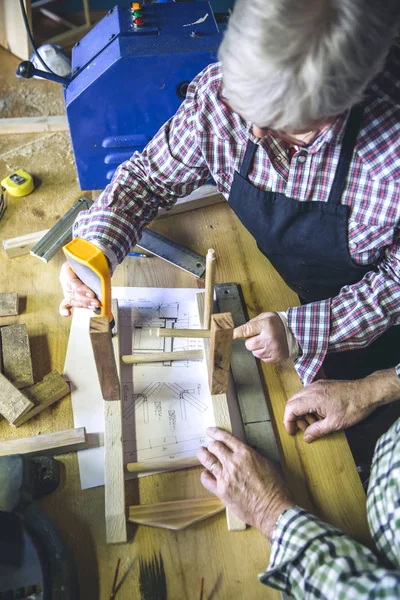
[[302, 158], [353, 245]]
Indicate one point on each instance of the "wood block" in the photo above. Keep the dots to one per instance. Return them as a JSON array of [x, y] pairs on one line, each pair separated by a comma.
[[175, 515], [106, 365], [58, 442], [220, 352], [22, 244], [12, 126], [114, 488], [17, 363], [8, 304], [43, 394], [221, 416], [13, 404]]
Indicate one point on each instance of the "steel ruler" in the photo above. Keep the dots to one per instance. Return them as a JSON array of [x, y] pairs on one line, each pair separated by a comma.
[[248, 379]]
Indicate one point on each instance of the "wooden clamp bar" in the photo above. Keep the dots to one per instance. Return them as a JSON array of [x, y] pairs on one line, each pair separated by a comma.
[[162, 356], [209, 291], [180, 333], [106, 365]]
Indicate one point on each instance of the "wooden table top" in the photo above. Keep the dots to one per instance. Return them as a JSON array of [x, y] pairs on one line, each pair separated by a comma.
[[322, 476]]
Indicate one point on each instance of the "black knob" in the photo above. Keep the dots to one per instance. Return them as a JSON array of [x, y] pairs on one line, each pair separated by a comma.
[[25, 69]]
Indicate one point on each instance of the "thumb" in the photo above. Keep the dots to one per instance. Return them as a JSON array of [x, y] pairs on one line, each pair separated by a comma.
[[317, 430], [249, 329]]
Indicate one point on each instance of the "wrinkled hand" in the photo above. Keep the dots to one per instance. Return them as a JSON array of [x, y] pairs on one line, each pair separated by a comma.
[[266, 337], [336, 404], [245, 481], [76, 293]]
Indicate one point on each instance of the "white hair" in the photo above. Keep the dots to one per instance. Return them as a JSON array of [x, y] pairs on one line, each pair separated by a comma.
[[289, 64]]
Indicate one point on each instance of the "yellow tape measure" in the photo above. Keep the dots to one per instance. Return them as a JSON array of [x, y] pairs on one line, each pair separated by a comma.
[[18, 184]]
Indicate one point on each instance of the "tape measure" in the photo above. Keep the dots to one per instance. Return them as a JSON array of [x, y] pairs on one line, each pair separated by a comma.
[[18, 184], [90, 265]]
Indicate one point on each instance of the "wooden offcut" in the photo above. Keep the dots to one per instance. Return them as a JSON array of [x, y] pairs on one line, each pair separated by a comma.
[[9, 302], [13, 404], [162, 356], [43, 394], [209, 291], [175, 515], [114, 488], [58, 442], [22, 244], [25, 125], [220, 352], [221, 416], [17, 362], [163, 464], [106, 362]]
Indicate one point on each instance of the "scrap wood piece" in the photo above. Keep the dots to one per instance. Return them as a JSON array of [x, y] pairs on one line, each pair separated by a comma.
[[13, 404], [57, 442], [209, 291], [219, 361], [22, 244], [114, 484], [33, 125], [162, 356], [175, 515], [17, 362], [106, 362], [9, 302], [52, 388], [221, 416], [165, 463]]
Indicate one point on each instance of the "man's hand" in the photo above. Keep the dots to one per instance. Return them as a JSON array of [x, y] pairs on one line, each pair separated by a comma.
[[245, 481], [76, 294], [340, 404], [266, 337]]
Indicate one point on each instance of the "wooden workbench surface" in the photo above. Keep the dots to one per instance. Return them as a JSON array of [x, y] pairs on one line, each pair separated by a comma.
[[321, 476]]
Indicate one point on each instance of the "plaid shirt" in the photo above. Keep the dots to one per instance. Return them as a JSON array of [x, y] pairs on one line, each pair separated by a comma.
[[205, 138], [311, 559]]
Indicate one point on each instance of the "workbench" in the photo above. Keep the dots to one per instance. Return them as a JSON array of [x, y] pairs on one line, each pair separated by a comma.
[[322, 476]]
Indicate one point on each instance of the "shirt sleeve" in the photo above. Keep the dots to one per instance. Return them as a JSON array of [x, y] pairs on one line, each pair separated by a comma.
[[171, 166], [351, 320], [311, 559]]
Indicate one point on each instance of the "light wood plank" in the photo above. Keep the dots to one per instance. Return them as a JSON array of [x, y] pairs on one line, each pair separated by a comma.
[[22, 244], [13, 404], [175, 515], [17, 361], [57, 442], [9, 303], [221, 414], [163, 464], [24, 125], [209, 292], [106, 362], [219, 362], [114, 488], [43, 394], [162, 356], [163, 332], [13, 34]]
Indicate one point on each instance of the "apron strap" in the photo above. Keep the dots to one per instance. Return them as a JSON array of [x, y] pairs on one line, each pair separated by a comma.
[[245, 167], [346, 154]]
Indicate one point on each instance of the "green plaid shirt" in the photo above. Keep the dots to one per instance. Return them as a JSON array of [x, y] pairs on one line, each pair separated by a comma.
[[311, 559]]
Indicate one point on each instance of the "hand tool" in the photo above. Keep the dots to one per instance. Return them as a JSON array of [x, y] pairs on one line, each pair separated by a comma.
[[91, 266], [19, 184]]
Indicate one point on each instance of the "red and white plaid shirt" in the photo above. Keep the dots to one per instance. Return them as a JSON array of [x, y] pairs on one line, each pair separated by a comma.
[[206, 139]]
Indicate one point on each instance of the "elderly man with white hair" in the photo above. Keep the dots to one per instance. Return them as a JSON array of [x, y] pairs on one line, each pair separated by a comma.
[[298, 125]]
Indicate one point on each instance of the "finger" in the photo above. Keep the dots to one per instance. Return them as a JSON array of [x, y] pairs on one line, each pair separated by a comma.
[[209, 482], [225, 437], [65, 308], [247, 330], [296, 408], [72, 285], [254, 343], [210, 462], [302, 424], [261, 316], [220, 451], [317, 430], [310, 418]]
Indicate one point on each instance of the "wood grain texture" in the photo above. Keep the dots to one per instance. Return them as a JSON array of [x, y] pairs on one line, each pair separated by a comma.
[[13, 404], [162, 464], [58, 442], [43, 394], [221, 413], [219, 361], [17, 361], [162, 356], [106, 362], [180, 333], [33, 125], [9, 302], [175, 515], [22, 244], [209, 291], [114, 489]]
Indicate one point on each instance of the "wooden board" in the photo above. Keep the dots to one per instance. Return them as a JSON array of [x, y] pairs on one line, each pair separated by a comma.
[[221, 414], [114, 489], [58, 442], [209, 290], [13, 404], [43, 394], [13, 34], [25, 125], [17, 362], [162, 464], [23, 243], [106, 361], [9, 302], [219, 362], [175, 515]]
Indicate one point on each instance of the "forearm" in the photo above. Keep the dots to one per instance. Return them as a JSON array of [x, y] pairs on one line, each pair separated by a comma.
[[383, 386]]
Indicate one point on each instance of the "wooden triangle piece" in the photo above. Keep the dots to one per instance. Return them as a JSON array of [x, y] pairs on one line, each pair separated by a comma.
[[175, 515]]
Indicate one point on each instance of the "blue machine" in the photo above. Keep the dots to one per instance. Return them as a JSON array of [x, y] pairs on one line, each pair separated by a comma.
[[130, 74]]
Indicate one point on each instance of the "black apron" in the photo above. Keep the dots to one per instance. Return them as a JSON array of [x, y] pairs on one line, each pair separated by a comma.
[[307, 243]]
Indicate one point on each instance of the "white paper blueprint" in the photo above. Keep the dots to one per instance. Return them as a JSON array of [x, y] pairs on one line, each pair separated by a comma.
[[166, 406]]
